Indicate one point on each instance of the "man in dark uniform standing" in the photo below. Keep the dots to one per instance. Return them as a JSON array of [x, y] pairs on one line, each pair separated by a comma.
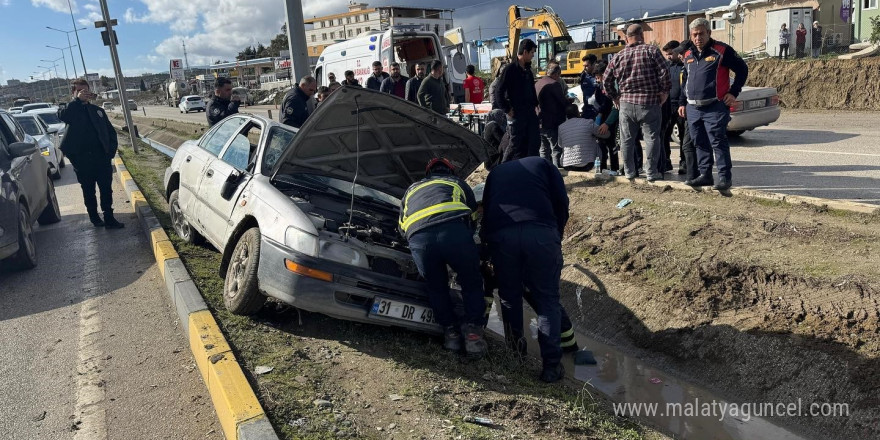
[[90, 144], [221, 106], [295, 108], [525, 212]]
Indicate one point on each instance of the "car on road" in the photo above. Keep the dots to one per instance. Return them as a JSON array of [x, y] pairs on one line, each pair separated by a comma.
[[132, 105], [310, 216], [244, 94], [34, 106], [755, 107], [107, 105], [26, 194], [47, 140], [14, 110], [50, 117], [192, 103]]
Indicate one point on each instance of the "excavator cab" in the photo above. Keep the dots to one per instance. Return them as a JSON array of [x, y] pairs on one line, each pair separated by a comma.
[[550, 49]]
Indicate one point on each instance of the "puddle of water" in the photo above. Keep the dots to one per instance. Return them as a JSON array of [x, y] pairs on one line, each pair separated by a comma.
[[682, 409]]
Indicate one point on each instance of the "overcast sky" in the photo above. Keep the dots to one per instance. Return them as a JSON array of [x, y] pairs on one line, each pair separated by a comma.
[[152, 31]]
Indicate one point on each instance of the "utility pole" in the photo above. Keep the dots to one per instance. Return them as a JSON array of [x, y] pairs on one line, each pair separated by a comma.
[[185, 58], [63, 57], [120, 80], [296, 33], [479, 57], [76, 32]]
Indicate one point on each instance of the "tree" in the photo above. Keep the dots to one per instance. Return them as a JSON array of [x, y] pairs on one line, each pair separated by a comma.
[[106, 82], [143, 86], [261, 51], [875, 29]]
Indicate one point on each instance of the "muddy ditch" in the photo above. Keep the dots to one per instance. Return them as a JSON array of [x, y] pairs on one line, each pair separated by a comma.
[[757, 301]]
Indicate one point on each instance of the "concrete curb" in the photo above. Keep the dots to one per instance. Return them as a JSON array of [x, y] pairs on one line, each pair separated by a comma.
[[862, 208], [237, 407]]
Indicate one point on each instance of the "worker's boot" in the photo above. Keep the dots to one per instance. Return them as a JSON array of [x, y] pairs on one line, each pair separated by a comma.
[[95, 219], [702, 180], [110, 222], [452, 338], [552, 373], [723, 184], [475, 346]]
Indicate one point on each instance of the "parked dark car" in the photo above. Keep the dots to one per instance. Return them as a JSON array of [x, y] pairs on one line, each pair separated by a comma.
[[26, 193]]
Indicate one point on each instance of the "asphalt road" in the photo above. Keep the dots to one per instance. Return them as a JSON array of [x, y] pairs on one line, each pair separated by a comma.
[[173, 113], [90, 346], [834, 155]]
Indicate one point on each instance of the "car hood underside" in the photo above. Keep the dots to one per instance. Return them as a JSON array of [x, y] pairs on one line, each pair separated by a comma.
[[387, 146]]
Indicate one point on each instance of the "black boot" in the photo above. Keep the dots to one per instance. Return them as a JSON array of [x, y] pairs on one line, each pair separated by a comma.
[[702, 180], [723, 184], [96, 219], [110, 222], [552, 373]]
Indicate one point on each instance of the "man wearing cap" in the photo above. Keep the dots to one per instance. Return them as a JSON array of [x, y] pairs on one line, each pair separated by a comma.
[[435, 218], [706, 100], [525, 211]]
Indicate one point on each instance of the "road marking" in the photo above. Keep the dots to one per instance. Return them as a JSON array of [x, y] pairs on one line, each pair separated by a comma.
[[833, 152], [91, 416]]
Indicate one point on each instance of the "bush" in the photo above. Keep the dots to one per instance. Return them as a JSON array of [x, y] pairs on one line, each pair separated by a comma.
[[875, 29]]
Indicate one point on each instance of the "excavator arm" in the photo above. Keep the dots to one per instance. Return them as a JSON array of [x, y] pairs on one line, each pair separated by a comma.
[[543, 18]]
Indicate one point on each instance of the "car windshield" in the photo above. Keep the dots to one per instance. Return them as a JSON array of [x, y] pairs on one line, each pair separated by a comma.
[[30, 126], [193, 98], [341, 187], [50, 118]]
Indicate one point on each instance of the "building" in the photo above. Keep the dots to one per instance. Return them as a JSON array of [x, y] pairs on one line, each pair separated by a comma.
[[490, 48], [245, 73], [360, 18], [863, 11], [661, 29], [13, 82], [744, 26]]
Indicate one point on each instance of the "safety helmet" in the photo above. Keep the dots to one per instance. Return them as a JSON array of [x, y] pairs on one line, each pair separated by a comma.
[[439, 161]]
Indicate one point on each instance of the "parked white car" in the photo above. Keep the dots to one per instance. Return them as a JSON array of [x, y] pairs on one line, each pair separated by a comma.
[[50, 117], [310, 216], [192, 103], [35, 106], [47, 140]]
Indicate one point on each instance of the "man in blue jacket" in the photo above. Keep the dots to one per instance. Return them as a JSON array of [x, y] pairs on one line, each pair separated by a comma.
[[435, 218], [706, 100], [90, 144], [295, 107], [525, 209]]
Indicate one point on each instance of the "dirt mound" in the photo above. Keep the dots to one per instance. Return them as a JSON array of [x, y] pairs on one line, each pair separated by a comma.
[[821, 84], [756, 300]]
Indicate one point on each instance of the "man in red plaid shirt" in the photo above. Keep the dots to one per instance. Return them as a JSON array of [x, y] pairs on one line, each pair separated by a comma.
[[637, 79]]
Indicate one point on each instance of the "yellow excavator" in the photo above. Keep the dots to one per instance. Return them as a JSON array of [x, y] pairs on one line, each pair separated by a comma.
[[558, 45]]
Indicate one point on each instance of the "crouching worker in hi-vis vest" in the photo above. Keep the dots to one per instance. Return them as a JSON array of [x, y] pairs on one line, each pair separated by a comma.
[[436, 219]]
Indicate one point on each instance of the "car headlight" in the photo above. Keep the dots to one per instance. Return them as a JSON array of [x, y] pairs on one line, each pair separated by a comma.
[[301, 241], [341, 253]]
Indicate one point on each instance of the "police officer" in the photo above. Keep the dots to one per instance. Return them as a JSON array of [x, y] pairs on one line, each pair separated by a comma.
[[526, 209], [435, 218], [221, 106], [295, 107], [708, 95], [90, 144]]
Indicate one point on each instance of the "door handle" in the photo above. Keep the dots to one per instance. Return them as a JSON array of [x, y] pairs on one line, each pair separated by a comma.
[[209, 173], [189, 158]]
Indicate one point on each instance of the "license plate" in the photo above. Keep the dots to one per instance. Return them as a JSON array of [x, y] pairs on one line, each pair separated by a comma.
[[758, 103], [403, 311]]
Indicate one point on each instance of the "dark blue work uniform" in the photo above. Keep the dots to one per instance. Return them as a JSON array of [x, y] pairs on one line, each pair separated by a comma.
[[90, 144], [219, 109], [294, 108], [525, 209], [588, 89], [516, 91], [706, 79], [435, 218]]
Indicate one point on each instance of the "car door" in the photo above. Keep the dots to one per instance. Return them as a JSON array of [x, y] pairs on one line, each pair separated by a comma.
[[235, 165], [26, 170], [8, 199], [192, 168]]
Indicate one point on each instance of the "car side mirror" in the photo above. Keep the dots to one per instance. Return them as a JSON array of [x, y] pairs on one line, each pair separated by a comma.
[[21, 149], [230, 185]]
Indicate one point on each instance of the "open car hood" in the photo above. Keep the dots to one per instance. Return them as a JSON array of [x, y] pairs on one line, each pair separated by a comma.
[[395, 141]]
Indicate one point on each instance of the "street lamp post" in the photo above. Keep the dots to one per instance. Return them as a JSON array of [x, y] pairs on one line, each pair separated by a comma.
[[71, 46], [52, 91], [54, 66], [63, 57]]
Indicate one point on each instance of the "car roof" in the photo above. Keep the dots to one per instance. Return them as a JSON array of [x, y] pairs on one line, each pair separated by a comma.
[[42, 110]]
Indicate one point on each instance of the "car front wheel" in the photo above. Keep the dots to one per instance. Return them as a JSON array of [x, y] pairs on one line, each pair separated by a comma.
[[183, 229], [26, 257], [241, 294], [51, 213]]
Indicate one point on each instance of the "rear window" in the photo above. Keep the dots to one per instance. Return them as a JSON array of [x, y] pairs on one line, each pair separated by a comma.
[[50, 118], [193, 98], [30, 126], [33, 107]]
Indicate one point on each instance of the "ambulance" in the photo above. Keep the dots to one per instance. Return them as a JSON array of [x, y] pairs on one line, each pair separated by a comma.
[[406, 45]]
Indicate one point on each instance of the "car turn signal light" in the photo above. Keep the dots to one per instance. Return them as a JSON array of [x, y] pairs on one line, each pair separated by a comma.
[[736, 107], [308, 271], [774, 100]]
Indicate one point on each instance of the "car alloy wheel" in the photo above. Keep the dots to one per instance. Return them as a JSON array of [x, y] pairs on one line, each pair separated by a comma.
[[241, 293]]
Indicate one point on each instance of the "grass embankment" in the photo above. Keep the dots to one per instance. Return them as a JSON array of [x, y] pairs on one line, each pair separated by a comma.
[[334, 379]]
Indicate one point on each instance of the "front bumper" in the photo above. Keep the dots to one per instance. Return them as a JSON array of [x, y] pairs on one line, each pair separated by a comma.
[[349, 296], [749, 120]]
